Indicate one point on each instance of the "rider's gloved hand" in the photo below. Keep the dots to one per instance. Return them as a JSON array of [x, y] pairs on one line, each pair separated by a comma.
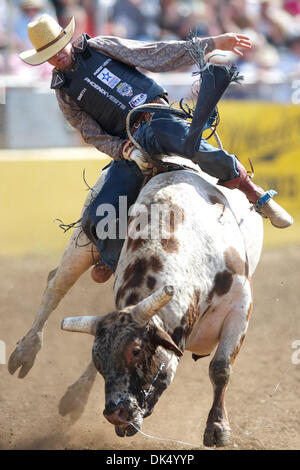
[[131, 153]]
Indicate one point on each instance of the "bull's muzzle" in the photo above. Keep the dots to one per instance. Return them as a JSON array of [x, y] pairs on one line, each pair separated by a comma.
[[124, 424], [118, 417]]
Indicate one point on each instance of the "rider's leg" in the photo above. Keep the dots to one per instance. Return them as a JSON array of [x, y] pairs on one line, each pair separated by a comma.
[[233, 175], [105, 219], [167, 135], [263, 201], [215, 79]]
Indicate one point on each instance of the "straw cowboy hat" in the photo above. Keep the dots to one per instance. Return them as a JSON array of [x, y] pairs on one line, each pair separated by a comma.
[[48, 39]]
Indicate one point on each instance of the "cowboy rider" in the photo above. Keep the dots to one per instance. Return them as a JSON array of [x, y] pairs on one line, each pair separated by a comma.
[[97, 84]]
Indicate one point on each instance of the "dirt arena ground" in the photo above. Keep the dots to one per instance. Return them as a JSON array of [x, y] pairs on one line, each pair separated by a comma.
[[262, 400]]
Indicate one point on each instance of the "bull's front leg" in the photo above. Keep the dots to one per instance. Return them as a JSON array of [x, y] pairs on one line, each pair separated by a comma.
[[74, 400], [217, 431], [76, 259]]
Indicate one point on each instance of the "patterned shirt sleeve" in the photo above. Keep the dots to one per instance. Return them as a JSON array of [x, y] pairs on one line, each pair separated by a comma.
[[163, 56], [89, 129]]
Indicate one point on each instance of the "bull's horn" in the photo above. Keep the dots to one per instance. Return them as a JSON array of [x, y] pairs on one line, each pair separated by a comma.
[[147, 308], [84, 324]]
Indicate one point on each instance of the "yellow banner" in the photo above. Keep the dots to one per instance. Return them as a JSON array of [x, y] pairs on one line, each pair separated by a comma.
[[268, 134]]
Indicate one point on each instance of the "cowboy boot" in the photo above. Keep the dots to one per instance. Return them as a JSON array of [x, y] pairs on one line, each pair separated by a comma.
[[261, 199], [101, 272]]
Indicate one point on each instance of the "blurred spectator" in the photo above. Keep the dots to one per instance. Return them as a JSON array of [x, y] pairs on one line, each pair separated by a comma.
[[25, 11], [235, 15], [3, 35], [290, 59], [3, 23], [28, 10], [273, 22], [260, 60], [59, 6], [91, 8], [81, 19], [274, 26], [175, 19], [292, 6], [84, 12], [137, 18]]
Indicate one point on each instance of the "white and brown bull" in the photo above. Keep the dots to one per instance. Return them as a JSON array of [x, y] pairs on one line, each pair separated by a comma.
[[188, 289]]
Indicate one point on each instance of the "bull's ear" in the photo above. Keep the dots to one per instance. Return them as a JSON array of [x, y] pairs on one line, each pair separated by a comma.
[[161, 338]]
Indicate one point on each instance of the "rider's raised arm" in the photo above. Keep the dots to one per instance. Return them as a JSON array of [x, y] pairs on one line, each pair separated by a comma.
[[233, 42], [163, 56], [89, 129]]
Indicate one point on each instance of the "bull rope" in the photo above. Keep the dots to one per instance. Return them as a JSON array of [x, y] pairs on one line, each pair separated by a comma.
[[158, 106], [146, 396], [166, 439]]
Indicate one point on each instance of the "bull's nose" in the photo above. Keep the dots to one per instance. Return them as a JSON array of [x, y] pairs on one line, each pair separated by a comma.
[[118, 417]]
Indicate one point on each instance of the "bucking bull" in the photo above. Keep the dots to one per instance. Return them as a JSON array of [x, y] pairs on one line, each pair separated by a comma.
[[187, 289]]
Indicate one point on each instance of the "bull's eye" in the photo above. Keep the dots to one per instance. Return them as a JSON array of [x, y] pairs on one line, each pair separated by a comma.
[[133, 354], [136, 352]]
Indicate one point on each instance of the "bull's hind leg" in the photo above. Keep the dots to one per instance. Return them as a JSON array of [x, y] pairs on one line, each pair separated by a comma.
[[76, 259], [217, 431]]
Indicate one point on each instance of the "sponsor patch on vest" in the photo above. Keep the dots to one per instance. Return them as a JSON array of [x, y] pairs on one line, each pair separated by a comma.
[[137, 100], [102, 66], [108, 78], [124, 89], [79, 97], [105, 93]]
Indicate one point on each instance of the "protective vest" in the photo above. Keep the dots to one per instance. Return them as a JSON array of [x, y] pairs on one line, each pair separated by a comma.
[[105, 88]]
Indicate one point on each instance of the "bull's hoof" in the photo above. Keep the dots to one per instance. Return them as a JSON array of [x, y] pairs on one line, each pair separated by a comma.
[[24, 355], [216, 434]]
